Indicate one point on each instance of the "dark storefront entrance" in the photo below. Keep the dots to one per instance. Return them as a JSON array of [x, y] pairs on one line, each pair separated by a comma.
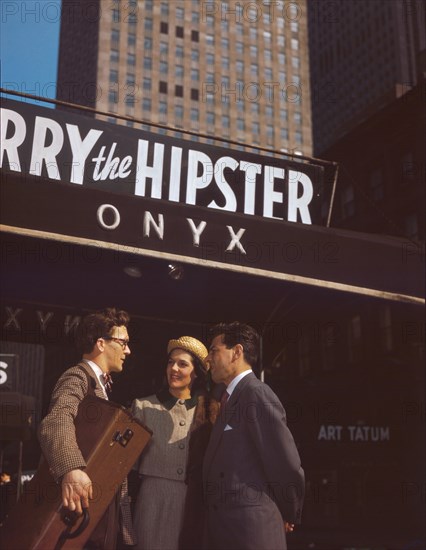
[[340, 315]]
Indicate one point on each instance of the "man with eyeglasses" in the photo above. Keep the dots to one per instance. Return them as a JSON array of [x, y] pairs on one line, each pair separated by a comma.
[[103, 340]]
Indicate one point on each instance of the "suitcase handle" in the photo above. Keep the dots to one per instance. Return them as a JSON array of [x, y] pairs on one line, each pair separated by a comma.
[[84, 523], [69, 518]]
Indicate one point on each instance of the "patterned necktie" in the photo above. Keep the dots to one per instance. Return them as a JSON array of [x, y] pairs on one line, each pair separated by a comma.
[[224, 399], [106, 377]]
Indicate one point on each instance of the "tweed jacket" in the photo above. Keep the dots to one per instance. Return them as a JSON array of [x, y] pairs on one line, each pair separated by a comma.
[[58, 438], [57, 432], [166, 455], [252, 476]]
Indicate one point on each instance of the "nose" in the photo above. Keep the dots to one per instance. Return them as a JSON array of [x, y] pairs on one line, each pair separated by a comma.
[[175, 367], [127, 350]]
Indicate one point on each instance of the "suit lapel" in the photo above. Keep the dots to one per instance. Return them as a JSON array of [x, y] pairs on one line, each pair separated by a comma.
[[222, 420]]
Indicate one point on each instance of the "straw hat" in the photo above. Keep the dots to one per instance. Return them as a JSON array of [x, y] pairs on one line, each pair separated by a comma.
[[190, 344]]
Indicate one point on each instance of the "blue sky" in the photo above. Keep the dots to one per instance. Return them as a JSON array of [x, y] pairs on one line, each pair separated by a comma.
[[29, 40]]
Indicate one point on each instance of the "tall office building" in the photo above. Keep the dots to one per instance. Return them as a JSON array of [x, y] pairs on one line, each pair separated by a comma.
[[364, 54], [235, 70]]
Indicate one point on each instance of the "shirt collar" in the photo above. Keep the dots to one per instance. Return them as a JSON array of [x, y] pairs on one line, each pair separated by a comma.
[[234, 382], [98, 371], [169, 401]]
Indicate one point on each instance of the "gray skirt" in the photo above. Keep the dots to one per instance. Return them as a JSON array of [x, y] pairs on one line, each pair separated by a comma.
[[159, 513]]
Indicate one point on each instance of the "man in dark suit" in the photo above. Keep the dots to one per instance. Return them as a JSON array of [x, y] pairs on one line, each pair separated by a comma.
[[253, 479], [104, 342]]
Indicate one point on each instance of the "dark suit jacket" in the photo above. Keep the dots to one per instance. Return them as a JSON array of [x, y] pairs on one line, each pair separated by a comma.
[[58, 439], [253, 479]]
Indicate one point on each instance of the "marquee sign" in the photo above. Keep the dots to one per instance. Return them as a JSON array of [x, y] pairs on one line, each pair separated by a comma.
[[75, 179], [93, 154]]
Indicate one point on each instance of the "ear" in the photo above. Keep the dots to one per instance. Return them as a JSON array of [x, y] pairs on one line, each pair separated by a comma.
[[238, 351], [100, 344]]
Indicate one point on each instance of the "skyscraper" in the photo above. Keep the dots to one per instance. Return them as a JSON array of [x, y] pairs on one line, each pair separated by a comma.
[[364, 54], [236, 70]]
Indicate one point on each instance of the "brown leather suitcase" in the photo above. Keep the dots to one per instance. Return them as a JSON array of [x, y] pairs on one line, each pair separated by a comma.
[[110, 440]]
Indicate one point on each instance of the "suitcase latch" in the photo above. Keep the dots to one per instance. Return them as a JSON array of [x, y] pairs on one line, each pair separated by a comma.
[[123, 439]]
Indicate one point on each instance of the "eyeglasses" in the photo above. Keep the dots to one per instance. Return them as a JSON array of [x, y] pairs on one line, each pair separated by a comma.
[[123, 343]]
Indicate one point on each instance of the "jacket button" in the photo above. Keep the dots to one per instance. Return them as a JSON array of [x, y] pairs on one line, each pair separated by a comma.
[[181, 445], [181, 401], [180, 471], [182, 423]]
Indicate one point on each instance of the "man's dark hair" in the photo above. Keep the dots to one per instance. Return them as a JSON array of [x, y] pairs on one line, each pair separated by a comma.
[[98, 324], [239, 333]]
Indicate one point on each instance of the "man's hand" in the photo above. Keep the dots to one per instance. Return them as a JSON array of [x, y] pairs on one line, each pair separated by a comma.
[[289, 527], [76, 490]]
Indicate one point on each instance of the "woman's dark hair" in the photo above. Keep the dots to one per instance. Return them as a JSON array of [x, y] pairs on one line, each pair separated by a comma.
[[98, 324], [239, 333]]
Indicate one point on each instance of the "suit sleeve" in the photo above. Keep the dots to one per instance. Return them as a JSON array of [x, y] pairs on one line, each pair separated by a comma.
[[279, 456], [57, 430]]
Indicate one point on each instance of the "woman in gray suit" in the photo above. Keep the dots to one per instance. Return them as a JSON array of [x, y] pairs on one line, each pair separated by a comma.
[[171, 416]]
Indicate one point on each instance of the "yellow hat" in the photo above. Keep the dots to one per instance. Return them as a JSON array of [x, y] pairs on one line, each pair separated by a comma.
[[190, 344]]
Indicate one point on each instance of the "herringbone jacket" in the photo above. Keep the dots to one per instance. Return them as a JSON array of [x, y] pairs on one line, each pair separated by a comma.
[[58, 438]]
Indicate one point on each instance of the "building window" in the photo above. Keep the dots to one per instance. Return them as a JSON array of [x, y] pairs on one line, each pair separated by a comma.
[[178, 111], [210, 118], [178, 91], [268, 55], [210, 58], [240, 124], [281, 59], [115, 35], [112, 96], [146, 104], [179, 32], [131, 39], [269, 111], [113, 56], [225, 63], [225, 44], [239, 65], [253, 34], [115, 15], [298, 139], [113, 75], [162, 106], [163, 87], [164, 27], [284, 134], [164, 67], [179, 13], [195, 75], [179, 51], [147, 63], [164, 9], [148, 24], [146, 83], [225, 121], [195, 115], [255, 128], [179, 71], [195, 36], [195, 94], [295, 62], [210, 20], [239, 48], [195, 17], [297, 118], [209, 40], [294, 44], [164, 49], [131, 59]]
